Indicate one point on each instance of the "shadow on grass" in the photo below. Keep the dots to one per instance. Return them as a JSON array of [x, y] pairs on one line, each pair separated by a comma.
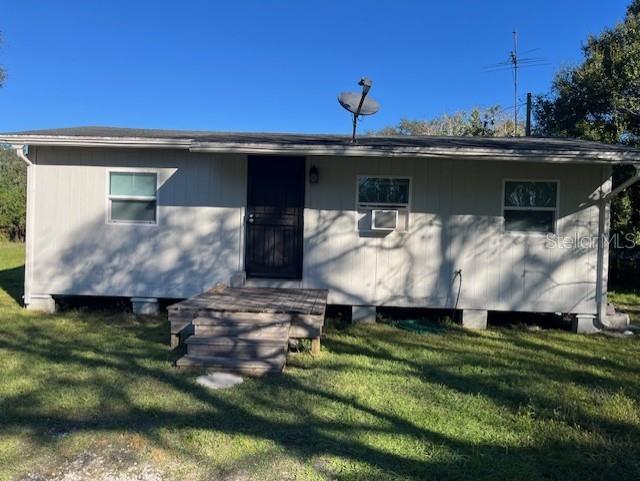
[[12, 282], [301, 411]]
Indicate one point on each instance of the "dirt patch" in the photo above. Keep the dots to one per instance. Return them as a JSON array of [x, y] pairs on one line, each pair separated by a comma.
[[118, 465]]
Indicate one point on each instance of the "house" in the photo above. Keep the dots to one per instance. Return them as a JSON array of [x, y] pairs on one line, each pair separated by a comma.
[[476, 224]]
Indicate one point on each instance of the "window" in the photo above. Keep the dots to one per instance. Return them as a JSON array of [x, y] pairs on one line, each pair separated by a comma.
[[383, 203], [530, 206], [133, 197], [383, 191]]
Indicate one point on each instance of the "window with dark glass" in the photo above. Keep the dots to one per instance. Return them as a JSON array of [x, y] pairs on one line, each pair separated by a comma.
[[383, 191], [530, 206], [133, 197]]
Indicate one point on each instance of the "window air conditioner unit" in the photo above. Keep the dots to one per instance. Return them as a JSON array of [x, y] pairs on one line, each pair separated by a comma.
[[384, 219]]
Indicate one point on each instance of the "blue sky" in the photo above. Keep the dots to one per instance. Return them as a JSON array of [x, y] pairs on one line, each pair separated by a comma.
[[273, 65]]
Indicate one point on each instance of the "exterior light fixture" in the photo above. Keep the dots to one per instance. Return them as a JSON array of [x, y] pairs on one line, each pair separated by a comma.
[[314, 175]]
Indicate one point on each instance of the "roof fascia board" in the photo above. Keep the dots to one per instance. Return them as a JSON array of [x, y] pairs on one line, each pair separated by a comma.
[[365, 151], [529, 155]]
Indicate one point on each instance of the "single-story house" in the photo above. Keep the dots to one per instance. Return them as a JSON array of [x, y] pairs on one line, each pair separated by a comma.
[[470, 223]]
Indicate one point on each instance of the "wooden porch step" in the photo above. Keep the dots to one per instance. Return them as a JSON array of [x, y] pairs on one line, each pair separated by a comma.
[[249, 367], [245, 330], [236, 347], [207, 316]]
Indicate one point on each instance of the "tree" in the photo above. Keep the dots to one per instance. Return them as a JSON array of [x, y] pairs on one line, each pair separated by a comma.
[[13, 190], [600, 100], [13, 187], [489, 122]]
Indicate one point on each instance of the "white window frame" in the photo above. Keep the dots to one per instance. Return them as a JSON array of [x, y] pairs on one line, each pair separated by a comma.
[[555, 209], [360, 206], [109, 197]]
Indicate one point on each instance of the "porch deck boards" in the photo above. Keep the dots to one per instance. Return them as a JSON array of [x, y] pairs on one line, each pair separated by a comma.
[[259, 300]]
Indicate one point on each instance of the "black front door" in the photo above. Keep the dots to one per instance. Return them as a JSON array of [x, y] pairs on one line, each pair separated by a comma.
[[275, 214]]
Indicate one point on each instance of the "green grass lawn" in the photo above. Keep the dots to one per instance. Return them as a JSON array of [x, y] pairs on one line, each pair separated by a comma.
[[378, 404]]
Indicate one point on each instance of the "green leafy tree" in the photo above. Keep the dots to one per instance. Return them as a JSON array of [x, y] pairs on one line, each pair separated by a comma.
[[489, 122], [13, 186], [600, 100], [13, 189]]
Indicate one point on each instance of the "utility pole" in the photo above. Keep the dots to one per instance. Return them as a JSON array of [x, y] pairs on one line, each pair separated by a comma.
[[527, 129], [514, 62]]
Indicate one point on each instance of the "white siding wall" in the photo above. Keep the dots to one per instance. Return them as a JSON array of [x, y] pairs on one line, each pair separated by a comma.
[[195, 244], [455, 224]]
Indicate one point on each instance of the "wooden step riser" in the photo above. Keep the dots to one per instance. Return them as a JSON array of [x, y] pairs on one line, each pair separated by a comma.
[[244, 331], [250, 372], [304, 325], [234, 341], [244, 325], [239, 352], [225, 317], [246, 367]]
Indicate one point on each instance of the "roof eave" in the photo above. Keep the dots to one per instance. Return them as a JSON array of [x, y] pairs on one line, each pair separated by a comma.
[[73, 141], [527, 155], [355, 150]]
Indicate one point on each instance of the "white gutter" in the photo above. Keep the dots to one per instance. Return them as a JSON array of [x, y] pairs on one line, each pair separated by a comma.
[[20, 153], [630, 181], [602, 259], [30, 220], [73, 141]]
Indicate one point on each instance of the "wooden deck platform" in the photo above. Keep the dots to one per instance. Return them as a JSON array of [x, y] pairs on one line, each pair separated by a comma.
[[236, 326]]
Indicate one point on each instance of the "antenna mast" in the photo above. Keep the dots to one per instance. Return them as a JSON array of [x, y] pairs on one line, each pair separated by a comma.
[[514, 63]]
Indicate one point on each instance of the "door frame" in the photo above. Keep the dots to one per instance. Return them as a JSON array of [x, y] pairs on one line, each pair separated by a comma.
[[300, 250]]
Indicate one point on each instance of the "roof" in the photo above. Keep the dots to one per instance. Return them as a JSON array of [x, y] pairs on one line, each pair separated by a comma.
[[498, 148]]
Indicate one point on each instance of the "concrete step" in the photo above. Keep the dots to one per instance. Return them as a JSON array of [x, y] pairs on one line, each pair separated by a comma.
[[249, 367], [245, 330], [619, 320], [236, 347]]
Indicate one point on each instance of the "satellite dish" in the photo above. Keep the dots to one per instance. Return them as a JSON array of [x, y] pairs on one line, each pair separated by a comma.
[[358, 103], [351, 100]]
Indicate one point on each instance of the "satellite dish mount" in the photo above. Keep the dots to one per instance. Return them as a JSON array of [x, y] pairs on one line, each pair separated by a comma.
[[358, 103]]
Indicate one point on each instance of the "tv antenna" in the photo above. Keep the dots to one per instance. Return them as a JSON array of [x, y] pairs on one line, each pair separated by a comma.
[[514, 63], [359, 104]]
